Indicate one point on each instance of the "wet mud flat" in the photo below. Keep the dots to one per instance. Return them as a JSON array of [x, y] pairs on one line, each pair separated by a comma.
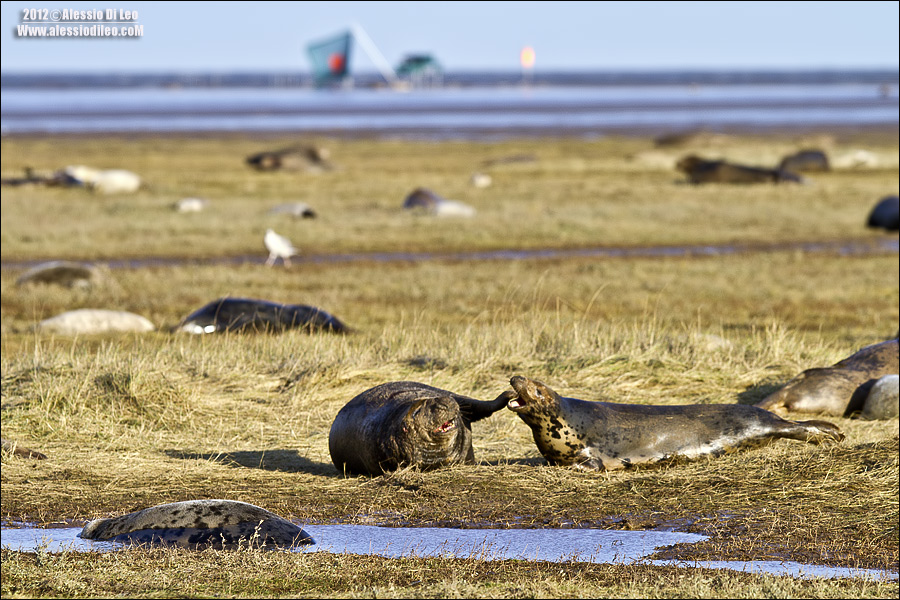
[[596, 546]]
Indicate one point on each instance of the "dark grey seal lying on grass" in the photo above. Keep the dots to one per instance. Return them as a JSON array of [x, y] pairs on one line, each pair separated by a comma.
[[199, 524], [294, 158], [607, 435], [249, 315], [699, 170], [403, 423], [885, 214], [841, 389]]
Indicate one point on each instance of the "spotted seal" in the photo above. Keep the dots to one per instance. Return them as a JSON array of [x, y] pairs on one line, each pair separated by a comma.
[[199, 523], [404, 423], [839, 390], [250, 315], [699, 170], [606, 435]]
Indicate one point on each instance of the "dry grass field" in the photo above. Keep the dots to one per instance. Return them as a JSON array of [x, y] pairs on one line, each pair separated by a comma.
[[132, 420]]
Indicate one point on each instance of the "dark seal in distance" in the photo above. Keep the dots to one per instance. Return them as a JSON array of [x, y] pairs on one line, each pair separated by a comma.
[[403, 423], [607, 436], [805, 161], [249, 315], [699, 170]]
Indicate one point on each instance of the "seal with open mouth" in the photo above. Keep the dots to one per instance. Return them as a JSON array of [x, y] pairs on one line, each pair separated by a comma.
[[607, 435], [404, 423]]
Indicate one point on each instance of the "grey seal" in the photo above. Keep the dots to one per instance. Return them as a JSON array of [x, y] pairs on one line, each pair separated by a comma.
[[250, 315], [805, 161], [839, 390], [402, 423], [607, 436], [699, 170], [198, 524], [885, 214], [61, 272], [293, 158]]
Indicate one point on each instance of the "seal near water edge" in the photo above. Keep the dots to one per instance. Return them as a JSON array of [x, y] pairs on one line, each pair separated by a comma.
[[199, 524], [699, 170], [804, 161], [249, 315], [607, 436], [842, 389], [404, 423]]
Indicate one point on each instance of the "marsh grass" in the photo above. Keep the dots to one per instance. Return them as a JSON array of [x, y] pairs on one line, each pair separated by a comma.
[[130, 421]]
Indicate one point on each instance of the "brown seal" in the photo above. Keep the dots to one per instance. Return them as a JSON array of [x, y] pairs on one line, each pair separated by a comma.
[[404, 423], [838, 390], [805, 161], [699, 170], [199, 524], [607, 435]]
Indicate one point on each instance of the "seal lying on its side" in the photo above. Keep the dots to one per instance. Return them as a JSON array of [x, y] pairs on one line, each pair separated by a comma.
[[699, 170], [199, 523], [244, 314], [839, 390], [606, 435], [406, 423]]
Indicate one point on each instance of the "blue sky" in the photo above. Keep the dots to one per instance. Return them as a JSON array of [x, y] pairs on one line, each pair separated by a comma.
[[272, 36]]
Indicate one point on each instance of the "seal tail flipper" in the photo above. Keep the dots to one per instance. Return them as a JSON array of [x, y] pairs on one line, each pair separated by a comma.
[[474, 410], [815, 432]]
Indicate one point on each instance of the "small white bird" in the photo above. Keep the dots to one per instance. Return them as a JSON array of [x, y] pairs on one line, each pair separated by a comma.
[[279, 247]]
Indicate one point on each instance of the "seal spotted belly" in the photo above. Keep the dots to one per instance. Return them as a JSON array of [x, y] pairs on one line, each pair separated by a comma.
[[406, 423], [607, 435], [199, 524]]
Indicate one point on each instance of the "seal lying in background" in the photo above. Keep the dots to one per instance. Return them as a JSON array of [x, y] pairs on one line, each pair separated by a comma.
[[606, 435], [839, 390], [61, 272], [294, 158], [885, 214], [406, 423], [198, 524], [805, 161], [244, 314], [700, 170]]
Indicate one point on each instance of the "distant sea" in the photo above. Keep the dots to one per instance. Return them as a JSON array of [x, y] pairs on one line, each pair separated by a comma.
[[460, 105]]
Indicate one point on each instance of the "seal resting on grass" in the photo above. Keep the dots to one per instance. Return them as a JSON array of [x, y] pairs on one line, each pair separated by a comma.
[[404, 423], [607, 435], [805, 161], [885, 214], [839, 390], [198, 524], [249, 315], [94, 320], [699, 170], [61, 272]]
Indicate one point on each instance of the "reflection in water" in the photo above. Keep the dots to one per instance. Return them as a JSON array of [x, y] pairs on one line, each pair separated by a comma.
[[555, 545]]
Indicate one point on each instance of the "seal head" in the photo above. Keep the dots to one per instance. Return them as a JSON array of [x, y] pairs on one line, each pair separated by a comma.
[[404, 423]]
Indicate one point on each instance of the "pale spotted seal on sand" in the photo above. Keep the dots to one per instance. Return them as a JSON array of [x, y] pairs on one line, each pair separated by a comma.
[[607, 435], [839, 390], [406, 423], [198, 524], [249, 315]]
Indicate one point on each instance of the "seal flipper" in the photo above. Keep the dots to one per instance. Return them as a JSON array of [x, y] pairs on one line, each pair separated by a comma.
[[475, 410]]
